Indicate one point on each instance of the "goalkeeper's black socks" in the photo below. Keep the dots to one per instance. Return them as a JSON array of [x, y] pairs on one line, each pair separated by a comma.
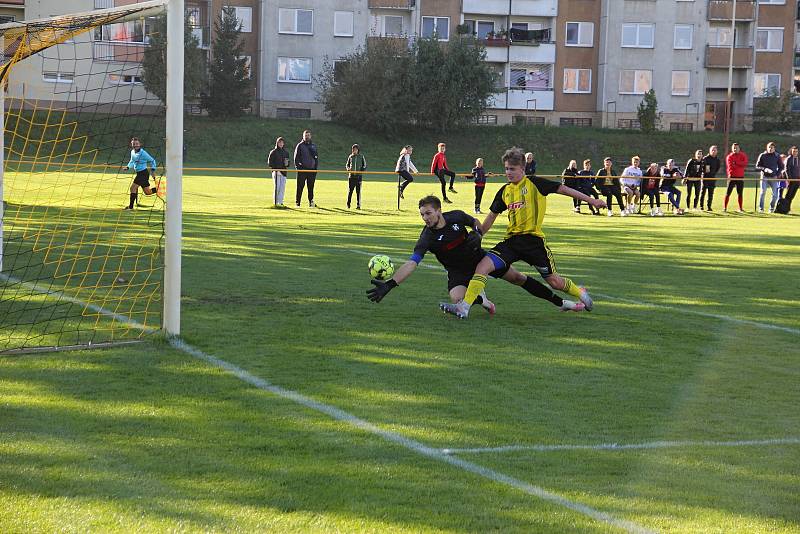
[[133, 200], [538, 289]]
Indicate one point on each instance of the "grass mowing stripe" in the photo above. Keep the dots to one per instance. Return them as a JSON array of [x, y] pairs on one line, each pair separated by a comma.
[[341, 415], [627, 446], [413, 445], [719, 316]]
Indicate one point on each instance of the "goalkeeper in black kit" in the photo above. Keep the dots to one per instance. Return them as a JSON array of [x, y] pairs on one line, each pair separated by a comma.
[[447, 235]]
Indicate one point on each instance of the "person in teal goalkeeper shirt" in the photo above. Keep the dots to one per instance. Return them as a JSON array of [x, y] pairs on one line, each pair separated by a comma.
[[140, 160]]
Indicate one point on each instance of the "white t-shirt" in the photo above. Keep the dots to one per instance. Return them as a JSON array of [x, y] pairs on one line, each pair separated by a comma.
[[629, 172]]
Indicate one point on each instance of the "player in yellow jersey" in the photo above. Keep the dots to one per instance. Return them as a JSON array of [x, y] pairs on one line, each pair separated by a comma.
[[525, 200]]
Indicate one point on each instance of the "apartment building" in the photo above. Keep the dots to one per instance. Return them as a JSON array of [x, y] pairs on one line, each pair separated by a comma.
[[11, 10]]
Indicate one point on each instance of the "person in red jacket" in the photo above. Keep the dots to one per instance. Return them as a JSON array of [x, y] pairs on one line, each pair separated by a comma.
[[439, 168], [736, 164]]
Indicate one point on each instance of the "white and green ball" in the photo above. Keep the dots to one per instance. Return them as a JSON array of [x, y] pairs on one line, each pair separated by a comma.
[[381, 267]]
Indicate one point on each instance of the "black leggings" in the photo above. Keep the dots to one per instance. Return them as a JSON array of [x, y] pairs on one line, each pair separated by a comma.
[[441, 173], [478, 196], [614, 192], [589, 192], [355, 183], [738, 184], [407, 179], [692, 184]]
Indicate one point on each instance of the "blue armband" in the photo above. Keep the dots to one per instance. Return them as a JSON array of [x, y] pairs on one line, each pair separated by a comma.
[[416, 258]]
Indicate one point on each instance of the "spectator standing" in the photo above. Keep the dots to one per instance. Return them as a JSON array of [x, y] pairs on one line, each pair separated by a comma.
[[479, 177], [405, 167], [439, 168], [530, 165], [770, 164], [356, 164], [669, 174], [735, 165], [711, 165], [608, 184], [792, 175], [306, 159], [278, 161], [631, 181], [651, 182], [586, 185], [569, 177], [692, 175]]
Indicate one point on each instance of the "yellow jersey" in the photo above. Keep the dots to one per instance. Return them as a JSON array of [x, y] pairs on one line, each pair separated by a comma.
[[526, 204]]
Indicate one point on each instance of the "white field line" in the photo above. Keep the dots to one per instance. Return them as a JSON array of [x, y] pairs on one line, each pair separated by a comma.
[[626, 446], [721, 317], [341, 415]]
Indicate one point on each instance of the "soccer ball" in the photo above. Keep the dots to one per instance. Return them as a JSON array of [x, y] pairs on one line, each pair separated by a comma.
[[380, 267]]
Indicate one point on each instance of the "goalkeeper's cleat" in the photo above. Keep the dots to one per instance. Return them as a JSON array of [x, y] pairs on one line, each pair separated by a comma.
[[586, 299], [128, 208], [569, 305], [488, 304], [460, 309]]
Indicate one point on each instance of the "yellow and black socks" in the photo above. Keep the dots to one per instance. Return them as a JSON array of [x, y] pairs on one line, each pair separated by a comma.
[[476, 286], [571, 288], [538, 289]]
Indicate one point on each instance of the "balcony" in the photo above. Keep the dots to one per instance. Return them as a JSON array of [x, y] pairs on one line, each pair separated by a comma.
[[525, 8], [406, 5], [523, 99], [723, 10], [797, 60], [524, 53], [718, 57]]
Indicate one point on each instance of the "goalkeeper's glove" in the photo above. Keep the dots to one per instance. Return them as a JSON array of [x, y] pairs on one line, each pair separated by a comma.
[[380, 290]]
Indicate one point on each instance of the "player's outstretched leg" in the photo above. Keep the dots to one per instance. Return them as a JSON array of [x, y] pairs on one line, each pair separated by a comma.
[[487, 304], [460, 309]]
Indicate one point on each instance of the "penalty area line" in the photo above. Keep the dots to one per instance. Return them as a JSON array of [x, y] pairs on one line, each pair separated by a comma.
[[625, 446], [345, 417], [719, 316]]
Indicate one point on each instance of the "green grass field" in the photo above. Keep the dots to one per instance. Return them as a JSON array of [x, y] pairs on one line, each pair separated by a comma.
[[691, 352]]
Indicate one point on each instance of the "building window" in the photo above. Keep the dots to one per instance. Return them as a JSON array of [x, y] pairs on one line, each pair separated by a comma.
[[682, 38], [486, 119], [680, 82], [577, 81], [769, 40], [521, 26], [297, 21], [483, 28], [339, 68], [720, 36], [580, 34], [343, 24], [635, 82], [293, 113], [766, 84], [125, 79], [247, 63], [681, 127], [133, 31], [393, 25], [637, 35], [535, 120], [531, 76], [58, 77], [583, 122], [773, 2], [7, 18], [244, 16], [439, 26], [294, 69]]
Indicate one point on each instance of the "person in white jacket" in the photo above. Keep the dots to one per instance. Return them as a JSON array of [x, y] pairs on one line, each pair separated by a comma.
[[631, 182], [405, 168]]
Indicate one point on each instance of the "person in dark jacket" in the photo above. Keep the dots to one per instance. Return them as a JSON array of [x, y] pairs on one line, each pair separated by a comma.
[[569, 177], [479, 177], [669, 174], [609, 186], [586, 185], [530, 165], [356, 164], [770, 164], [792, 175], [711, 165], [306, 161], [692, 175], [651, 184], [278, 161]]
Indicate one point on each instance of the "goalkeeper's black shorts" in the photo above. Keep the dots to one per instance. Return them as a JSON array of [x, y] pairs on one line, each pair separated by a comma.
[[462, 277], [142, 178]]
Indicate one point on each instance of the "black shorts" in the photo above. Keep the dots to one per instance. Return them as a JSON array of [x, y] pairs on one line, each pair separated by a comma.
[[529, 248], [462, 278], [142, 178]]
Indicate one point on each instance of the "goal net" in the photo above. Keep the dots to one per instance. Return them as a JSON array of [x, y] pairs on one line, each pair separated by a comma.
[[76, 268]]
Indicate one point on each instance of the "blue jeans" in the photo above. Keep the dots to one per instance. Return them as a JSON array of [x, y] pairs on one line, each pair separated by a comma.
[[673, 194], [773, 185]]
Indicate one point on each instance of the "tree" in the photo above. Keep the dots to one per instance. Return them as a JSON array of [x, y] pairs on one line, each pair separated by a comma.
[[387, 85], [773, 112], [229, 84], [154, 62], [648, 112]]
